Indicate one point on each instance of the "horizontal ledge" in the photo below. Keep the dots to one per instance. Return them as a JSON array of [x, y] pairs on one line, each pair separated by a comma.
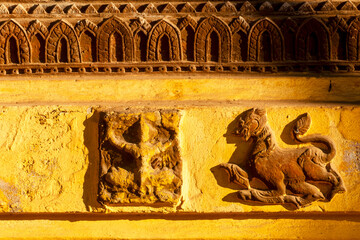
[[186, 104], [75, 216], [285, 68]]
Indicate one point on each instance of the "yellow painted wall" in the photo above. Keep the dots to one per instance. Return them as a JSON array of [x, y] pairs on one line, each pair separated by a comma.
[[49, 155]]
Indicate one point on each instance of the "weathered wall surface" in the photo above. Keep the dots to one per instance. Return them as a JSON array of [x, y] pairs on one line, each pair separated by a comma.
[[50, 156]]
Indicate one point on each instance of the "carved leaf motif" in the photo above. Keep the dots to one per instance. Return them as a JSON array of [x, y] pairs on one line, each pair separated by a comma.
[[169, 8], [187, 8], [247, 7], [208, 7], [129, 8], [303, 124], [72, 9], [327, 6], [150, 9], [38, 9], [306, 8], [286, 7], [111, 8], [56, 9], [90, 9], [228, 7], [266, 6], [236, 174], [3, 9], [19, 9], [348, 6]]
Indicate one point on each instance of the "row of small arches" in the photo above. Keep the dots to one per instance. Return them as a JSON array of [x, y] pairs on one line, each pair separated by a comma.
[[212, 40]]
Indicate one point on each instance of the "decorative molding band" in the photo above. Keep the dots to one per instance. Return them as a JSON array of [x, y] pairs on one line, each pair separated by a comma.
[[48, 38]]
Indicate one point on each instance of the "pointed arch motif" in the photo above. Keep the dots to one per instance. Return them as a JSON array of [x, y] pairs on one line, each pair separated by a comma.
[[353, 40], [11, 29], [62, 30], [289, 29], [240, 30], [205, 28], [313, 28], [86, 32], [140, 45], [107, 29], [277, 40], [187, 21], [187, 29], [338, 34], [83, 25], [239, 24], [36, 27], [160, 30]]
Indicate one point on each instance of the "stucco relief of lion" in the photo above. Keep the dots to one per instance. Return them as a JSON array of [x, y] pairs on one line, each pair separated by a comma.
[[284, 170]]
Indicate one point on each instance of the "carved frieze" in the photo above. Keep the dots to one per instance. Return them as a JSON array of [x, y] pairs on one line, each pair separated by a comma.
[[138, 37], [140, 158], [298, 176]]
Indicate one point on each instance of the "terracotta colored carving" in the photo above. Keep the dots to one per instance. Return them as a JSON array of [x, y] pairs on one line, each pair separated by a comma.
[[140, 159], [178, 37], [313, 42], [266, 42], [213, 41], [164, 42], [114, 41], [14, 43], [292, 175], [62, 44]]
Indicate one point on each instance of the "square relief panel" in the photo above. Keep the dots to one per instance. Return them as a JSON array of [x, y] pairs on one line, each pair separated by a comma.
[[140, 159]]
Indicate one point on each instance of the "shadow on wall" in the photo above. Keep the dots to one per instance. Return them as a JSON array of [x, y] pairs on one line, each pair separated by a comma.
[[91, 141], [239, 156]]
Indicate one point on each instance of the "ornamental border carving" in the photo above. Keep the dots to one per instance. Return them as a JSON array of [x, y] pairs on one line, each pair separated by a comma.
[[12, 29], [108, 28], [205, 28], [277, 40], [306, 37], [160, 29], [61, 30]]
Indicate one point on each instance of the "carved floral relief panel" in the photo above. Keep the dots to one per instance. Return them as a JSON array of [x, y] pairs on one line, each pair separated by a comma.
[[140, 158]]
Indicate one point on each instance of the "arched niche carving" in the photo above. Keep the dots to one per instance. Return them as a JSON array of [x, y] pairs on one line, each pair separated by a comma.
[[313, 41], [266, 27], [114, 26], [11, 30], [240, 30], [140, 45], [85, 25], [37, 27], [202, 39], [60, 32], [187, 28], [353, 40], [37, 34], [164, 30], [289, 29], [86, 31]]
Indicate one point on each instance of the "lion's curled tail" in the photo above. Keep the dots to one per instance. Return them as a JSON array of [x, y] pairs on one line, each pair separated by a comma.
[[302, 126]]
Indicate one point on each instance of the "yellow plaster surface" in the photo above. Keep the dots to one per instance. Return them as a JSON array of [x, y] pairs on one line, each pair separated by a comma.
[[50, 159], [109, 89], [183, 229]]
